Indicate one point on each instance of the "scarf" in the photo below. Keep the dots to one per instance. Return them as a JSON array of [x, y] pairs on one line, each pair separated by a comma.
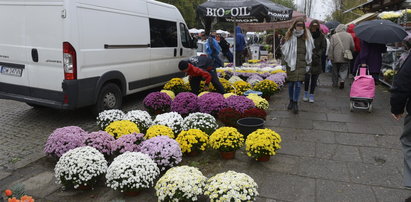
[[316, 34], [289, 49]]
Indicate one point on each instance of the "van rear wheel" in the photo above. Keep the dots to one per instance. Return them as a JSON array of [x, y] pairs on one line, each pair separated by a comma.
[[110, 97]]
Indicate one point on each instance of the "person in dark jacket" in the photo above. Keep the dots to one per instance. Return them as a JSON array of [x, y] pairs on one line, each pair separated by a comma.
[[201, 68], [400, 99], [370, 55], [311, 77], [297, 53], [240, 47], [225, 48]]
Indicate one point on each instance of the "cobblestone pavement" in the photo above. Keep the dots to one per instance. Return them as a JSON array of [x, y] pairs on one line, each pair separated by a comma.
[[328, 153]]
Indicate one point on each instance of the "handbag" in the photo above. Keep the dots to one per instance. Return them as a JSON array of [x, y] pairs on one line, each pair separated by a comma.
[[347, 54]]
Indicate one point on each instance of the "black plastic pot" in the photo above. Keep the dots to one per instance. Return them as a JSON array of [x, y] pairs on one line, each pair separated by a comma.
[[249, 124]]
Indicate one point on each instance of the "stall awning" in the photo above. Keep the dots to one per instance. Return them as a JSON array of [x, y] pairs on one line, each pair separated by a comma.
[[365, 17], [257, 27]]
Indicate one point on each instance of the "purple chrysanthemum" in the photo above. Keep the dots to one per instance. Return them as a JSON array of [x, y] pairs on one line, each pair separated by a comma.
[[185, 103], [278, 78], [157, 101], [165, 151], [131, 142], [100, 140], [211, 103], [240, 103], [64, 139]]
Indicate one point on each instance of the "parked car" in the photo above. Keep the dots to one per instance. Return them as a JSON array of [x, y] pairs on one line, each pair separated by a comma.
[[69, 54]]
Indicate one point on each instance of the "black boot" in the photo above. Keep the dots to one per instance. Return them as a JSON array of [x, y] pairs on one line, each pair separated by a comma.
[[295, 107], [290, 106]]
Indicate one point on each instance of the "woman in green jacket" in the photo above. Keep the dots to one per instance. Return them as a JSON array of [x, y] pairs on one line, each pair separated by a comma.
[[297, 51]]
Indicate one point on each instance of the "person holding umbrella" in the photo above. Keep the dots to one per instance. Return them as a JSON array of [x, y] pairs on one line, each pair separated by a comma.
[[340, 43], [297, 52], [370, 55]]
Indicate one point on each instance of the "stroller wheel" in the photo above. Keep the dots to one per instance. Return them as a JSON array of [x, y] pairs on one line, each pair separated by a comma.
[[351, 106], [370, 108]]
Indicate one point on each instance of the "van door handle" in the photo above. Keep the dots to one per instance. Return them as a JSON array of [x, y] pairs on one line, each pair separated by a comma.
[[181, 51], [34, 55], [175, 52]]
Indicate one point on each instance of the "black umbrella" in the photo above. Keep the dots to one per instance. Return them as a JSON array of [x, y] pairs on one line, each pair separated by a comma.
[[241, 11], [332, 24], [380, 31]]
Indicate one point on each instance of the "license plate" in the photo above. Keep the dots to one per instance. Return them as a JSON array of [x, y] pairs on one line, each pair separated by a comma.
[[11, 71]]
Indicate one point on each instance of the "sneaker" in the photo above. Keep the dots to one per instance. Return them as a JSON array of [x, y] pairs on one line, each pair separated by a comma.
[[305, 98], [311, 100]]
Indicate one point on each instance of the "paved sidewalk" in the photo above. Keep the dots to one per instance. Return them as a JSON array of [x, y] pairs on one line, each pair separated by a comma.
[[328, 154]]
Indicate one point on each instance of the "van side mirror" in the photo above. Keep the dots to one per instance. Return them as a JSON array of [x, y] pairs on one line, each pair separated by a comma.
[[194, 43]]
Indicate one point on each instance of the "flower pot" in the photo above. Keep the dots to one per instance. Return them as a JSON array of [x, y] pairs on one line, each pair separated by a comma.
[[193, 153], [228, 155], [264, 158], [249, 124], [84, 187], [132, 193]]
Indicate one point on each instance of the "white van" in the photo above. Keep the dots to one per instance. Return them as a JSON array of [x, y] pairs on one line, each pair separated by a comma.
[[68, 54]]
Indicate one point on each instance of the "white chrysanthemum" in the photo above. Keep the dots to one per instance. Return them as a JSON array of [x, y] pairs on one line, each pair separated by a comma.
[[80, 166], [180, 183], [230, 186], [141, 118], [172, 120], [202, 121], [132, 171], [106, 117]]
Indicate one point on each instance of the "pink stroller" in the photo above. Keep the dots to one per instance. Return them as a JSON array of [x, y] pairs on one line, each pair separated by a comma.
[[362, 90]]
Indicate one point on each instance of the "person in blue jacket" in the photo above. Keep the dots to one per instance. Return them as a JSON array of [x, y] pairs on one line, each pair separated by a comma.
[[240, 47], [213, 50]]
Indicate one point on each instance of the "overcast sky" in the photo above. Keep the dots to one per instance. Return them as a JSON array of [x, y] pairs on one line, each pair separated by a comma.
[[321, 8]]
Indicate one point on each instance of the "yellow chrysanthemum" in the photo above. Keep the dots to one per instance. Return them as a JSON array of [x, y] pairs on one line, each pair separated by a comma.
[[203, 93], [267, 87], [262, 142], [240, 87], [259, 102], [176, 85], [159, 130], [226, 139], [193, 139], [120, 128], [169, 93]]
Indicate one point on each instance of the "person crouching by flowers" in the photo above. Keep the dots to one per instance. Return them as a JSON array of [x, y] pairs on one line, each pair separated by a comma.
[[200, 68], [297, 50]]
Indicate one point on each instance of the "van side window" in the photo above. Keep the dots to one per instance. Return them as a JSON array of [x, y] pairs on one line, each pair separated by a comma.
[[185, 37], [163, 33]]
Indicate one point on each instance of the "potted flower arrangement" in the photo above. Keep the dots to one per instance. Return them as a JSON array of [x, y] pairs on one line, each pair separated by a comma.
[[278, 78], [240, 87], [120, 128], [253, 79], [106, 117], [231, 186], [176, 85], [240, 103], [165, 151], [101, 141], [229, 116], [226, 140], [227, 85], [182, 183], [131, 142], [259, 102], [204, 122], [157, 103], [185, 103], [169, 93], [211, 103], [131, 172], [267, 87], [172, 120], [234, 79], [159, 130], [227, 95], [255, 112], [80, 167], [63, 140], [141, 118], [192, 141], [262, 143]]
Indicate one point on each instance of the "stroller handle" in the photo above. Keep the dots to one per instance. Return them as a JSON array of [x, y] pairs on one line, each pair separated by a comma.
[[359, 67]]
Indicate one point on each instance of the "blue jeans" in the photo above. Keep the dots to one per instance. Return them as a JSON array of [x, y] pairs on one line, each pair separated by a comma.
[[294, 88]]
